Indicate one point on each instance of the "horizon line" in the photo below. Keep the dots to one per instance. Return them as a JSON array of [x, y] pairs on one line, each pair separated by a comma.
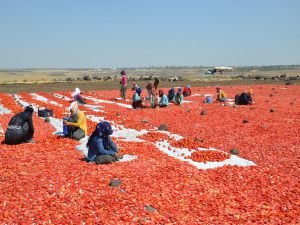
[[145, 67]]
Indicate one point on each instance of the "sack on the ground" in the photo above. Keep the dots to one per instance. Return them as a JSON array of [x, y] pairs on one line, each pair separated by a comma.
[[45, 112]]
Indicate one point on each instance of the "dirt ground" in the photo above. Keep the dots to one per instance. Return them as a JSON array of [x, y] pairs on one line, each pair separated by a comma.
[[113, 85]]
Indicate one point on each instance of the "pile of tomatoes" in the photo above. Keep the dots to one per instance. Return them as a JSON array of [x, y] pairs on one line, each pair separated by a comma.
[[209, 156], [154, 136], [190, 143]]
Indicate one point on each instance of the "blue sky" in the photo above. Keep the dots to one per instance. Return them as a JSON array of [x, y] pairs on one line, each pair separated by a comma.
[[125, 33]]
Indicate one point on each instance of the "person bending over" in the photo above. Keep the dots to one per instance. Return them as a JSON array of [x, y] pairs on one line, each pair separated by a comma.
[[78, 97], [20, 128], [244, 98]]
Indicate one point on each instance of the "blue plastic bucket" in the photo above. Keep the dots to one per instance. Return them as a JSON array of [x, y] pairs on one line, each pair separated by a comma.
[[208, 99]]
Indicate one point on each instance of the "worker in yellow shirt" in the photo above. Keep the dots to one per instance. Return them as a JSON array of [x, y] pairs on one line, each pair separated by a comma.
[[221, 95], [76, 123]]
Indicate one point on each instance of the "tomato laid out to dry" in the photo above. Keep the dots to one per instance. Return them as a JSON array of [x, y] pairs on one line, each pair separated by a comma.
[[48, 182]]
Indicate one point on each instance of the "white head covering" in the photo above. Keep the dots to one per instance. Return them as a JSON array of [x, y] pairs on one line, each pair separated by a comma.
[[76, 92], [73, 106]]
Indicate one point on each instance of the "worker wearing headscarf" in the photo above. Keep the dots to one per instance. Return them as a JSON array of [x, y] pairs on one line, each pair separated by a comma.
[[123, 83], [76, 123], [187, 90], [20, 127], [221, 95], [171, 94], [244, 98], [163, 99], [100, 144], [78, 97], [136, 99], [178, 99]]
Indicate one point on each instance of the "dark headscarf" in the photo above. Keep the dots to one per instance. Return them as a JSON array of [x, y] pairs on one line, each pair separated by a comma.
[[171, 91], [139, 91], [29, 109], [103, 130], [123, 72]]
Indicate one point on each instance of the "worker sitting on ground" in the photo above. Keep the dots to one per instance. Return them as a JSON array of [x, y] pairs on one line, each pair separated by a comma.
[[20, 128], [78, 97], [163, 99], [76, 123], [171, 94], [178, 99], [244, 98], [221, 95], [100, 146], [187, 91], [136, 99]]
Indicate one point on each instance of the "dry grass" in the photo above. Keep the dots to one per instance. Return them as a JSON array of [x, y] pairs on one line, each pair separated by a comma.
[[54, 79]]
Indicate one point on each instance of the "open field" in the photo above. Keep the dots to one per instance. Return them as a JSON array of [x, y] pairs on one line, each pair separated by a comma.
[[113, 85], [184, 176], [187, 73], [108, 79]]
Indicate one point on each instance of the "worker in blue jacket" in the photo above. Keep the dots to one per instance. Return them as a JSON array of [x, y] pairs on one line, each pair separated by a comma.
[[136, 99], [100, 143], [163, 99], [178, 99]]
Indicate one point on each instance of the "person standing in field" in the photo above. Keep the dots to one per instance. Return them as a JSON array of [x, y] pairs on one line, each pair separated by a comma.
[[155, 84], [123, 83], [149, 90], [78, 97], [153, 98]]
